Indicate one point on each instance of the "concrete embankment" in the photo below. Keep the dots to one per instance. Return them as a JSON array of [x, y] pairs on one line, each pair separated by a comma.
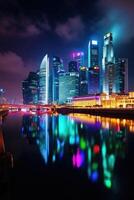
[[106, 112]]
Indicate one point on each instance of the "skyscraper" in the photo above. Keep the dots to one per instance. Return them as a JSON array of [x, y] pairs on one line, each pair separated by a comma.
[[44, 81], [93, 53], [122, 75], [30, 89], [93, 67], [108, 72], [94, 80], [73, 66], [79, 58], [68, 86], [83, 81], [56, 69]]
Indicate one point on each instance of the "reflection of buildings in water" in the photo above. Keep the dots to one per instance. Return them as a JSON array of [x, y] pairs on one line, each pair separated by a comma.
[[43, 140], [94, 143], [102, 151], [35, 128], [30, 127], [105, 122]]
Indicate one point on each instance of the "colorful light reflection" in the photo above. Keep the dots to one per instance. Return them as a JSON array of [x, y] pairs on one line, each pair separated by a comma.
[[78, 159]]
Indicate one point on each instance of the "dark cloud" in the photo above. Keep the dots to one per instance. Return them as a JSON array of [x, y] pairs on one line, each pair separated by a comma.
[[72, 29], [13, 70], [10, 26]]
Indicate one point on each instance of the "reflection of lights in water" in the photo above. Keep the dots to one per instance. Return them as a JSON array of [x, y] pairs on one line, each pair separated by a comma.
[[78, 159], [44, 137], [82, 143], [24, 109], [96, 149], [96, 152], [94, 176]]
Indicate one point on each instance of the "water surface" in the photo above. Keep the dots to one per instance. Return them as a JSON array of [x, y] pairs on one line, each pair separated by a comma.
[[69, 156]]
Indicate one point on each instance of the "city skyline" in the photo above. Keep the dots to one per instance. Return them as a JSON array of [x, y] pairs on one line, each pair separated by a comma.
[[26, 36]]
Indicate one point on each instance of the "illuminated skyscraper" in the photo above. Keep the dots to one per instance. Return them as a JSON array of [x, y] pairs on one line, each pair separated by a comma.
[[83, 81], [94, 80], [68, 86], [44, 81], [73, 66], [79, 58], [108, 72], [93, 67], [56, 69], [93, 53], [30, 89], [122, 75]]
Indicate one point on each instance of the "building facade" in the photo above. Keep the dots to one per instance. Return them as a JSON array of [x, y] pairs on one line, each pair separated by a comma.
[[79, 58], [57, 68], [105, 101], [108, 72], [68, 86], [30, 89], [93, 67], [122, 75], [83, 81], [73, 66]]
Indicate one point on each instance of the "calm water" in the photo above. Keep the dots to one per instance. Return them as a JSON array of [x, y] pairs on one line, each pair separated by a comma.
[[75, 156]]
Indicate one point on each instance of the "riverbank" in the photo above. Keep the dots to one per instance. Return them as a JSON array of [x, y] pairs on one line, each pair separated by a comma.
[[127, 113]]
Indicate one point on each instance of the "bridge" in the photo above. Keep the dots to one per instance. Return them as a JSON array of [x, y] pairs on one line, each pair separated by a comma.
[[27, 108]]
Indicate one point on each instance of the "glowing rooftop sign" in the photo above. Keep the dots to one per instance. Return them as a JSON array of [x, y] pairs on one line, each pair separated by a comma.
[[77, 54], [94, 42]]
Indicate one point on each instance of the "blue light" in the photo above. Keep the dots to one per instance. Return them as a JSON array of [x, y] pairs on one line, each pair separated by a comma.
[[54, 158], [94, 176], [94, 42]]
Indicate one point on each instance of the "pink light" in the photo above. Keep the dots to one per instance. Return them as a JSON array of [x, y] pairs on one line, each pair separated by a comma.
[[92, 97], [24, 110], [78, 159]]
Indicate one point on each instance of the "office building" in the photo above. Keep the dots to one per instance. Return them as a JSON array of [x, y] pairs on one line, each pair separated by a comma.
[[30, 89], [122, 75], [93, 53], [108, 72], [79, 58], [83, 81], [93, 67], [44, 81], [68, 86], [73, 66], [57, 68], [94, 80]]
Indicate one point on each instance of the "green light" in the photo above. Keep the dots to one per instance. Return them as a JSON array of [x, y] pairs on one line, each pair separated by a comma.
[[104, 163], [82, 144], [107, 174], [111, 161], [95, 166], [104, 150], [89, 154], [108, 183]]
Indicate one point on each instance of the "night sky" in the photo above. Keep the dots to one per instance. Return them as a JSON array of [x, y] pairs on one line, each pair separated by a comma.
[[30, 29]]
